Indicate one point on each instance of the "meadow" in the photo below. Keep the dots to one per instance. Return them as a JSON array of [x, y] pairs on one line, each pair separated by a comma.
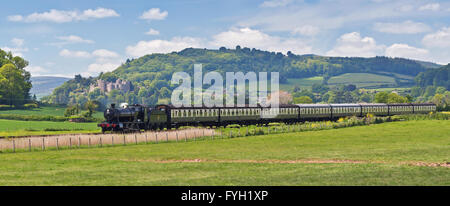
[[9, 128], [44, 111], [394, 153], [304, 83], [362, 80]]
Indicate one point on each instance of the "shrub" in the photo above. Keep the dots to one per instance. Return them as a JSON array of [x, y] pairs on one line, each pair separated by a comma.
[[30, 106]]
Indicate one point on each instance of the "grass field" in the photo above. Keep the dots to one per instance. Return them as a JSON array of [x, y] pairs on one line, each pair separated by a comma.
[[396, 153], [44, 111], [363, 80], [28, 128], [303, 83]]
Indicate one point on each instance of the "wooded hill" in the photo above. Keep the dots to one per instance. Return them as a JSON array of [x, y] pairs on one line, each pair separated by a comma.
[[150, 74]]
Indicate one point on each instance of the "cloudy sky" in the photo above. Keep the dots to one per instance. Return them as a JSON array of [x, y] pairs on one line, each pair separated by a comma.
[[62, 38]]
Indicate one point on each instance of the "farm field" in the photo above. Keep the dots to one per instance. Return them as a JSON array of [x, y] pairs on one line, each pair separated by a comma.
[[27, 128], [303, 83], [362, 80], [44, 111], [395, 153]]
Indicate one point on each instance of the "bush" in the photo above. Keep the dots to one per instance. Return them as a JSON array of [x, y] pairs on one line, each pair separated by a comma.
[[30, 106]]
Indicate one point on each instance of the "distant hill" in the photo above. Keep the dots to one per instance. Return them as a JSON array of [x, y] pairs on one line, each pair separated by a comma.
[[44, 85], [151, 74]]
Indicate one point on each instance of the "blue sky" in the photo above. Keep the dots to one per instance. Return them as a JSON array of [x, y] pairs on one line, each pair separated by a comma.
[[63, 38]]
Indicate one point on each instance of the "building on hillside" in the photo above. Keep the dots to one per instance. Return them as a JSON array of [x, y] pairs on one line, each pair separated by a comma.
[[105, 86]]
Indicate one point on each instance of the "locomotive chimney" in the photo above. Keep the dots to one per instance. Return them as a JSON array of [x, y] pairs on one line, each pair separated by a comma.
[[113, 105]]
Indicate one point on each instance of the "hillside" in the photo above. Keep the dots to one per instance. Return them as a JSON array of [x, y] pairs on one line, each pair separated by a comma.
[[150, 74], [44, 85]]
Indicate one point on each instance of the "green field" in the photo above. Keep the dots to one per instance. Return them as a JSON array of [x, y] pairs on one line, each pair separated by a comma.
[[28, 128], [396, 153], [363, 80], [303, 83], [44, 111]]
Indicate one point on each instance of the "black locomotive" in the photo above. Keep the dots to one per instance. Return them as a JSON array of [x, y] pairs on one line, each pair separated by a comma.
[[140, 117]]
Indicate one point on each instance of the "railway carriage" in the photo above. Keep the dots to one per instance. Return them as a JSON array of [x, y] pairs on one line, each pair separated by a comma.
[[377, 109], [314, 112], [345, 110], [400, 108]]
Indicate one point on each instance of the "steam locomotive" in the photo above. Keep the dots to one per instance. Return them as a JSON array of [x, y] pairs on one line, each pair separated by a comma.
[[129, 118]]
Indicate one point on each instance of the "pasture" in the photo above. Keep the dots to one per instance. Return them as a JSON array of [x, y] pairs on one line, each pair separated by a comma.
[[44, 111], [394, 153], [303, 83], [28, 128], [362, 80]]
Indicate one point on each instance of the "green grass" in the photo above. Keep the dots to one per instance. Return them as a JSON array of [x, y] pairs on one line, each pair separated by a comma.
[[386, 151], [304, 83], [44, 111], [28, 128], [363, 80]]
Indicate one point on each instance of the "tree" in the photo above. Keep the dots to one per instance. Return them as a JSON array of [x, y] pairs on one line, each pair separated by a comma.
[[303, 100], [91, 106], [381, 97], [366, 97], [13, 85], [395, 98]]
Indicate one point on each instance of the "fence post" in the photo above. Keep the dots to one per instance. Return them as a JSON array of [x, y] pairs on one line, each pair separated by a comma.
[[112, 140], [57, 143], [70, 142], [195, 136], [167, 136], [101, 143], [89, 142], [185, 136], [135, 138], [156, 137], [43, 144], [246, 132], [14, 145], [79, 142], [231, 134], [146, 139], [177, 136], [29, 145], [124, 141]]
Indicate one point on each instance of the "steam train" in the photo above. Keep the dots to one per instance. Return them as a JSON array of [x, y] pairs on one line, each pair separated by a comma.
[[128, 118]]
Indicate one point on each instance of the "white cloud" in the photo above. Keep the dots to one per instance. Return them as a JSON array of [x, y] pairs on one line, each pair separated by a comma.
[[353, 45], [15, 51], [152, 32], [430, 7], [246, 37], [306, 30], [162, 46], [61, 16], [74, 39], [76, 54], [96, 68], [406, 27], [406, 51], [439, 39], [275, 3], [36, 70], [154, 14], [18, 42], [98, 13]]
